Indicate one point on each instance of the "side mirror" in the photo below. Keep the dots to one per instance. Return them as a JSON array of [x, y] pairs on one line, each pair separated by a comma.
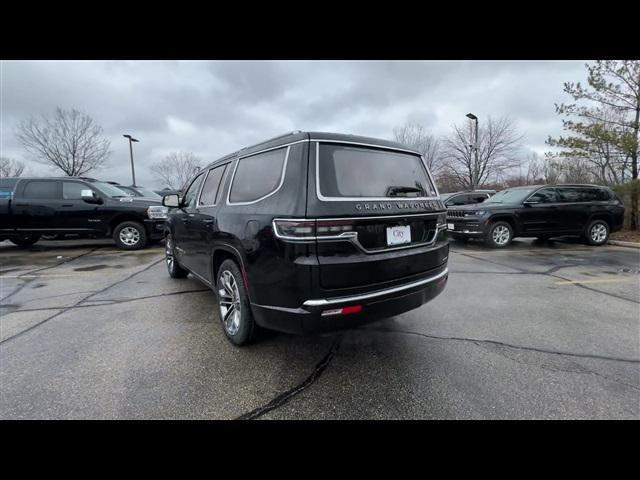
[[90, 196], [172, 201]]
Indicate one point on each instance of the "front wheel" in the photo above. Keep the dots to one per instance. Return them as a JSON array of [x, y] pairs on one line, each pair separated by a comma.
[[130, 236], [25, 240], [499, 235], [173, 267], [233, 302], [597, 233]]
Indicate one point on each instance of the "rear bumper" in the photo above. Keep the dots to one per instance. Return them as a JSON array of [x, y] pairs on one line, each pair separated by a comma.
[[376, 305]]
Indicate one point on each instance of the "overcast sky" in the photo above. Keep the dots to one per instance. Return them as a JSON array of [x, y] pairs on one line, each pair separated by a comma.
[[215, 107]]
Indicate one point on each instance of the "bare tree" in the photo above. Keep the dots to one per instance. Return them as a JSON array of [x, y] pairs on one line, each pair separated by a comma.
[[416, 136], [176, 169], [10, 167], [498, 145], [69, 140]]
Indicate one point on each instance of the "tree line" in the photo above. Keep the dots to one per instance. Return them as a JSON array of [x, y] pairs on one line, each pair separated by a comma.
[[600, 144]]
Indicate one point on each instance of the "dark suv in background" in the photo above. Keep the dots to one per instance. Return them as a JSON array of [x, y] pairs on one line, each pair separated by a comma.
[[311, 232], [543, 211], [465, 198]]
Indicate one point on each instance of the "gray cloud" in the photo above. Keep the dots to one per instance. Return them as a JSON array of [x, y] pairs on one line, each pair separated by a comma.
[[212, 108]]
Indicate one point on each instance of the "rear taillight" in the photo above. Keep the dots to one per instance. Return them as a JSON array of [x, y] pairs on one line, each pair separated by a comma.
[[311, 229]]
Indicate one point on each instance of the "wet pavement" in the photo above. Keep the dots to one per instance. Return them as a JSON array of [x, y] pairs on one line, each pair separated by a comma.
[[538, 330]]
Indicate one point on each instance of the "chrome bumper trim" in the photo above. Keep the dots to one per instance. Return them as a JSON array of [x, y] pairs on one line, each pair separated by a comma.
[[366, 296]]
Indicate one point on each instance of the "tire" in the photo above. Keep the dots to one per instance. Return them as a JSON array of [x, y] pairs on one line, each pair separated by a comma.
[[597, 233], [25, 240], [130, 236], [241, 328], [499, 235], [173, 267]]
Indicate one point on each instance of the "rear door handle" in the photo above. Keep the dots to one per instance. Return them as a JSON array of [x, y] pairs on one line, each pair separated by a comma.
[[67, 205], [185, 219], [209, 221]]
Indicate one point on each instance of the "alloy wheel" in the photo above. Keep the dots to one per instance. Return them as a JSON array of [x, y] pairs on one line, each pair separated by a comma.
[[230, 310], [501, 235], [598, 233]]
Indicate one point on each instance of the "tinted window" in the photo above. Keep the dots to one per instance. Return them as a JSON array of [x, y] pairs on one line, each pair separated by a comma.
[[588, 194], [73, 190], [459, 200], [43, 189], [569, 195], [478, 197], [366, 172], [257, 176], [191, 193], [546, 195], [209, 195]]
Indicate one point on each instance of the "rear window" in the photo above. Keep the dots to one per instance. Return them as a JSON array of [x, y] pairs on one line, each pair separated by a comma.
[[345, 171]]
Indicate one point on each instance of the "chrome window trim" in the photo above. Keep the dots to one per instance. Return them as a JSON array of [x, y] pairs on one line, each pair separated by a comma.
[[323, 198], [282, 175], [379, 293], [224, 177]]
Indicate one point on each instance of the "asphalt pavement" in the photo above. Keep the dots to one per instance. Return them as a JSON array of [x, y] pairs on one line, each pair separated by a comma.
[[535, 331]]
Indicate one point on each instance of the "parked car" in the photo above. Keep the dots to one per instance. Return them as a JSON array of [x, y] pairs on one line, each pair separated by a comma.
[[311, 232], [78, 205], [465, 198], [168, 191], [7, 185], [541, 211], [138, 192]]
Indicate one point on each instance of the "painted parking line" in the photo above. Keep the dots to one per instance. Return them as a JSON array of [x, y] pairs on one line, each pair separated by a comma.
[[601, 280]]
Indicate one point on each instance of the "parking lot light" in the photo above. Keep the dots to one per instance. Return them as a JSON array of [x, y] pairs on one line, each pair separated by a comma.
[[133, 171]]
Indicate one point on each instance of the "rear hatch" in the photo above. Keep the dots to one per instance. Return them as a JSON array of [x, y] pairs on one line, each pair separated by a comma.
[[377, 216]]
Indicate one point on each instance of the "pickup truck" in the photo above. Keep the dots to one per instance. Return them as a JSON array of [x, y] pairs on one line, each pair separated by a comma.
[[35, 207]]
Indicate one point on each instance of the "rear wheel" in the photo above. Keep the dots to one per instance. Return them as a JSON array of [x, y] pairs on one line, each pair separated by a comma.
[[173, 267], [130, 236], [597, 232], [499, 235], [25, 240], [234, 307]]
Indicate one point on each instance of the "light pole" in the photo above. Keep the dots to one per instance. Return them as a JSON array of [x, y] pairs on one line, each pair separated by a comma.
[[473, 117], [133, 171]]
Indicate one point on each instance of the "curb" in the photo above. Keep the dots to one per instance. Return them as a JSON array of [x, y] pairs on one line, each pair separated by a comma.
[[624, 244]]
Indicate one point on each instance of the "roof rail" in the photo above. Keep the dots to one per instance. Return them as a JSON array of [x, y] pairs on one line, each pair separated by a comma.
[[271, 139]]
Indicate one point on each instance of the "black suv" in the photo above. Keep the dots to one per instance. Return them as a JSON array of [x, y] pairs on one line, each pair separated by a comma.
[[311, 232], [540, 211], [465, 198]]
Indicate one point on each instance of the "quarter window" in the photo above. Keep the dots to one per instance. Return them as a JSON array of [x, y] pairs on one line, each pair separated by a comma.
[[43, 189], [257, 176], [190, 195], [211, 188]]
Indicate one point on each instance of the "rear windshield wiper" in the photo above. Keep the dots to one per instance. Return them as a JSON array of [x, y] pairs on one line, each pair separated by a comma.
[[394, 191]]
